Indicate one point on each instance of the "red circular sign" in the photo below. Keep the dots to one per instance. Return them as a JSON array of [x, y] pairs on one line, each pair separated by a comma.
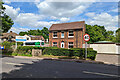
[[86, 37]]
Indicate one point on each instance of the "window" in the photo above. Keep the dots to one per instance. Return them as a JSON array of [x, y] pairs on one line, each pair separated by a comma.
[[55, 44], [71, 34], [27, 38], [70, 45], [30, 43], [62, 34], [54, 34]]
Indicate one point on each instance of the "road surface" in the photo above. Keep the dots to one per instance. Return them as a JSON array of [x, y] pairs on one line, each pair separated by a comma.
[[38, 68]]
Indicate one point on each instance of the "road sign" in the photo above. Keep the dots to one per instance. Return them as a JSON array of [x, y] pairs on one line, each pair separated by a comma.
[[2, 47], [86, 37], [20, 38], [37, 44]]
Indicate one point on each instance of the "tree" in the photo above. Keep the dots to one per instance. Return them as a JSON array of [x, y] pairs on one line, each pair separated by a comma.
[[22, 33], [99, 33], [118, 35], [44, 32], [5, 19]]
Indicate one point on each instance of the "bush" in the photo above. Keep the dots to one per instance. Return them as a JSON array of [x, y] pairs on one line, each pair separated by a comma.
[[78, 52], [8, 47], [27, 49]]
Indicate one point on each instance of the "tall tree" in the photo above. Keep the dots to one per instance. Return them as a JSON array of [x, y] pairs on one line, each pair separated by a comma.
[[99, 33], [118, 35], [5, 19], [44, 32], [22, 33]]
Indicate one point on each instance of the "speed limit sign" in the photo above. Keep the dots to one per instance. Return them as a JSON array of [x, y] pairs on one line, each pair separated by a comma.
[[86, 37]]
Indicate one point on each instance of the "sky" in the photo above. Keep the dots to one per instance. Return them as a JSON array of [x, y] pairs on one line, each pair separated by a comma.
[[36, 14]]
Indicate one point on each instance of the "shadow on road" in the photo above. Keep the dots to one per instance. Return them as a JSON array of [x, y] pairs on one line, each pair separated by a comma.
[[61, 69]]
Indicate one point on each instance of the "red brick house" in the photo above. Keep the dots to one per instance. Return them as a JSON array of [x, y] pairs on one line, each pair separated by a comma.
[[67, 35]]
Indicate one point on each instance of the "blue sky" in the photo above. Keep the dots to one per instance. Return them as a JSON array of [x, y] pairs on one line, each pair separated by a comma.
[[36, 15]]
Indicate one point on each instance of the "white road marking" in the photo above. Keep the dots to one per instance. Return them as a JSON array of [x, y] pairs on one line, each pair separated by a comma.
[[13, 63], [101, 74]]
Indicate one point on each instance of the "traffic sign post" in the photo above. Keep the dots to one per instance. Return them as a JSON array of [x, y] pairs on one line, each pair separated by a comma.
[[86, 38]]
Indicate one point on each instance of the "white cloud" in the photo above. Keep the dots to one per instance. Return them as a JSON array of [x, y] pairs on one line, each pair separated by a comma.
[[90, 14], [17, 30], [28, 19], [7, 1], [115, 10], [10, 11], [64, 19], [62, 9], [104, 19]]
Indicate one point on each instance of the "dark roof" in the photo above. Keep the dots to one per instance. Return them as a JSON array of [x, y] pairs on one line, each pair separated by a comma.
[[67, 26]]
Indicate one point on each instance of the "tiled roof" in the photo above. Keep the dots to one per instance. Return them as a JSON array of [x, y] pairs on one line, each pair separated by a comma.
[[7, 34], [67, 26]]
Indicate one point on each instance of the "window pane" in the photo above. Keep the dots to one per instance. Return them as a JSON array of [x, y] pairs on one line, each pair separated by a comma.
[[70, 42], [54, 34], [71, 33], [70, 46], [62, 34]]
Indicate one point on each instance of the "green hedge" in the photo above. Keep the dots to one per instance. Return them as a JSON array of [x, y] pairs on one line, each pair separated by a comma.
[[79, 52]]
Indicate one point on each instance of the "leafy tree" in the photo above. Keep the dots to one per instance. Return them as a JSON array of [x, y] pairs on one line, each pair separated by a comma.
[[44, 32], [118, 35], [5, 19], [22, 33], [99, 33]]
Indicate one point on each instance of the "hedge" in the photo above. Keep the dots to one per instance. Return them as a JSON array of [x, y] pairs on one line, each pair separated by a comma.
[[79, 52]]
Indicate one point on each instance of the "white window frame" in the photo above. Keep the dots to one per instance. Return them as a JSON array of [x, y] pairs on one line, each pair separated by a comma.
[[69, 33], [54, 44], [61, 34], [53, 34], [70, 44]]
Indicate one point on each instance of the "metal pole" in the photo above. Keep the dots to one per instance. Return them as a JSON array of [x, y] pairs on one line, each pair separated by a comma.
[[85, 50], [16, 46]]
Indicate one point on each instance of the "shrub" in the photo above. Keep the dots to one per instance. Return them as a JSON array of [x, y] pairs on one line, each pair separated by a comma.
[[8, 47], [78, 52], [27, 49]]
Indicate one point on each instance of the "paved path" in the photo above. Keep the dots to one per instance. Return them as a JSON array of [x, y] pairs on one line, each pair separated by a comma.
[[38, 68]]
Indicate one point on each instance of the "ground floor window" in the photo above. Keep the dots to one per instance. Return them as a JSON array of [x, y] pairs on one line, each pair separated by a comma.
[[55, 44], [70, 45]]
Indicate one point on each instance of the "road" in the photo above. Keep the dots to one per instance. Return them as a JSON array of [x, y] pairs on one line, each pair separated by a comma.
[[38, 68]]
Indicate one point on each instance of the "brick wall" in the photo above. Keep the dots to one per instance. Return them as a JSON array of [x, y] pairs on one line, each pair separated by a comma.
[[77, 39]]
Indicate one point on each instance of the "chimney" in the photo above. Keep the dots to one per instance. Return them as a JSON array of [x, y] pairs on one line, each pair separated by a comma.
[[10, 31]]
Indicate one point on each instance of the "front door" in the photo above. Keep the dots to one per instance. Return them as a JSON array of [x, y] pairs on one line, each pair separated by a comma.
[[62, 44]]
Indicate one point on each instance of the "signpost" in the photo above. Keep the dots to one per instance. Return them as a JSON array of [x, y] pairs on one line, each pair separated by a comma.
[[20, 39], [86, 38]]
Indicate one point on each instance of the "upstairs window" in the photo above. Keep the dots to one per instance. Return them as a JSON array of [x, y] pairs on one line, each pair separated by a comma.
[[70, 45], [54, 34], [62, 34], [54, 44], [71, 34]]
